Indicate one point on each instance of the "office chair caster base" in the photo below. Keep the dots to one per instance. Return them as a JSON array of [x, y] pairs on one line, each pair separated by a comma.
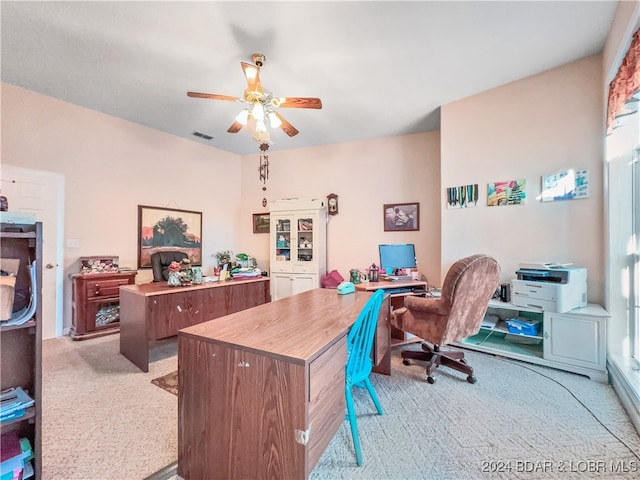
[[406, 361], [471, 379], [431, 380]]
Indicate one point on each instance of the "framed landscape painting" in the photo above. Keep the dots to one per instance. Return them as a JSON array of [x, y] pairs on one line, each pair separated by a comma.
[[401, 217], [261, 223], [165, 229]]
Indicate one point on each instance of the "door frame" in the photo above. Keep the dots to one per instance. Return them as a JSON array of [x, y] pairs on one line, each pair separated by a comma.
[[57, 180]]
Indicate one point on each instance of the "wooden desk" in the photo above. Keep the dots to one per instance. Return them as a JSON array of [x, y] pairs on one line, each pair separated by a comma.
[[262, 391], [396, 337], [153, 311]]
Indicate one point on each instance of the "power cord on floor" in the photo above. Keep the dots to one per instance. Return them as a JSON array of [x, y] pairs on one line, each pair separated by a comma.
[[576, 398]]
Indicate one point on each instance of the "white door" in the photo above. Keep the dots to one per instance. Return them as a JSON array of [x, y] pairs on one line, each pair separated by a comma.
[[42, 194]]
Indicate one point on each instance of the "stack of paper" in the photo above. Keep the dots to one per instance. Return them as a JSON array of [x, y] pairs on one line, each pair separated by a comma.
[[14, 403], [16, 455], [490, 321], [246, 272]]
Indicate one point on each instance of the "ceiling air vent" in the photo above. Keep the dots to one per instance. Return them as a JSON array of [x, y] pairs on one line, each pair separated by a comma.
[[201, 135]]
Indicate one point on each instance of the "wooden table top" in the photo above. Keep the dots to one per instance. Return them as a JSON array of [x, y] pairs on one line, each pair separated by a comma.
[[298, 328], [161, 288]]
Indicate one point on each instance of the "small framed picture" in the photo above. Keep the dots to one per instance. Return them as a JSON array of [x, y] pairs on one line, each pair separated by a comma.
[[261, 223], [401, 217], [510, 192]]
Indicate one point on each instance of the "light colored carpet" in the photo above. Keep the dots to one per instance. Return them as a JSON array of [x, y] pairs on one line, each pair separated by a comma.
[[104, 419]]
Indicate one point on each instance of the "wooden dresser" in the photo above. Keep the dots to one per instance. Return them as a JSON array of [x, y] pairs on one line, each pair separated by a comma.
[[96, 303]]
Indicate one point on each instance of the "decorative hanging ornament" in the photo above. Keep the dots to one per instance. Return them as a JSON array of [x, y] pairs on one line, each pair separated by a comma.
[[263, 166], [264, 202]]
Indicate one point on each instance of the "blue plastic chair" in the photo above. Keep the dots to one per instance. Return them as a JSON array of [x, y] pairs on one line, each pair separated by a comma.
[[359, 363]]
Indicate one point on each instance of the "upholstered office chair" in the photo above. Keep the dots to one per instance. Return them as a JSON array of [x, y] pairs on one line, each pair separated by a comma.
[[160, 262], [457, 314], [359, 363]]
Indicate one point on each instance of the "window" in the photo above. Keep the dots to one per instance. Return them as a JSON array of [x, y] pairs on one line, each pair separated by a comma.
[[634, 273], [623, 164]]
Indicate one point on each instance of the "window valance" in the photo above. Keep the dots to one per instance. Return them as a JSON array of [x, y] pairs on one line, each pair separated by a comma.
[[625, 84]]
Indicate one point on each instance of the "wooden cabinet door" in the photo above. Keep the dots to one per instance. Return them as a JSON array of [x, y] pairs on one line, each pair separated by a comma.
[[170, 313], [303, 282], [239, 413], [281, 285]]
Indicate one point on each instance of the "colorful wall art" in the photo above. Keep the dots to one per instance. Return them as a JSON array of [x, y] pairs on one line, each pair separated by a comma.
[[511, 192], [462, 197], [568, 185]]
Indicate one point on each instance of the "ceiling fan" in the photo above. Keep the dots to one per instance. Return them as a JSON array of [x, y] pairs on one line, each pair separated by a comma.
[[260, 104]]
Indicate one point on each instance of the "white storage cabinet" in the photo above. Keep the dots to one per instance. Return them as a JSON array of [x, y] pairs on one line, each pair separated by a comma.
[[574, 341], [297, 246]]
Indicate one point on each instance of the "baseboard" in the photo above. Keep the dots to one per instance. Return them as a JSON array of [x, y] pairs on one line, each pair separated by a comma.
[[625, 379]]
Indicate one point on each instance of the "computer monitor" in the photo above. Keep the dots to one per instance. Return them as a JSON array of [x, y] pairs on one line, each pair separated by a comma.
[[397, 256]]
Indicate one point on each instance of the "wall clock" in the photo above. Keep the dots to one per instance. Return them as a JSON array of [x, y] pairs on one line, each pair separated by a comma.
[[332, 202]]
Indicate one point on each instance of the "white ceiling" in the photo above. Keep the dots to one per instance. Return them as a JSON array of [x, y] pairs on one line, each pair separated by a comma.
[[380, 68]]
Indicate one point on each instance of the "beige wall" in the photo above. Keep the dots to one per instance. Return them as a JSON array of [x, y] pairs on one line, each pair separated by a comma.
[[365, 175], [536, 126]]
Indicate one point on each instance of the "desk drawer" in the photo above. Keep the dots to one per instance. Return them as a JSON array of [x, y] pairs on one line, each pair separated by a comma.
[[278, 268], [327, 404], [304, 269], [105, 288]]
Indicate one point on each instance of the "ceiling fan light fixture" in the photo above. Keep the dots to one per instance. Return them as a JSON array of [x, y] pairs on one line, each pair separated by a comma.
[[260, 126], [242, 117], [257, 111], [259, 104], [261, 135], [274, 120]]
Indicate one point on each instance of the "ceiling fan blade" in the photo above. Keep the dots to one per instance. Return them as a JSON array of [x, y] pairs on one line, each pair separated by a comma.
[[235, 127], [286, 126], [212, 96], [296, 102], [252, 74]]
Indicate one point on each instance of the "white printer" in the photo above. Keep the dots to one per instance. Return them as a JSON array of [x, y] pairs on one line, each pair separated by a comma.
[[549, 286]]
